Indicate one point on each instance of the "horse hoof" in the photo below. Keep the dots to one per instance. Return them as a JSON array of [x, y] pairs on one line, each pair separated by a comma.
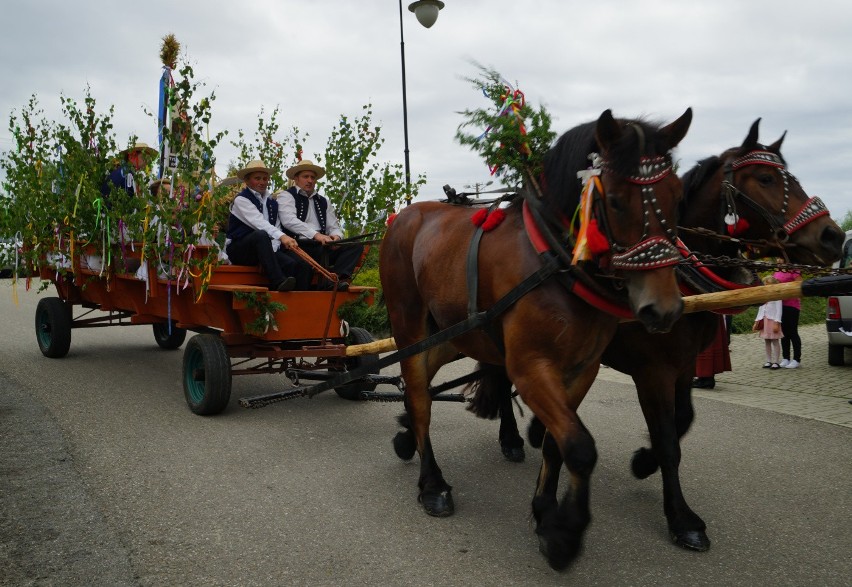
[[514, 454], [558, 561], [439, 505], [644, 463], [404, 445], [535, 433], [692, 540]]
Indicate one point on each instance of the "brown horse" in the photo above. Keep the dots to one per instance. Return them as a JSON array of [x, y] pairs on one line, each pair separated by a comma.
[[549, 340], [749, 182]]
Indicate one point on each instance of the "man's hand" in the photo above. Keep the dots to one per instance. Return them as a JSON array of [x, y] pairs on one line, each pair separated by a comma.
[[323, 238], [288, 243]]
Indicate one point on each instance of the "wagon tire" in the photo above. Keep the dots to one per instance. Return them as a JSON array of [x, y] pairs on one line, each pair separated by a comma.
[[206, 375], [835, 355], [53, 327], [166, 340], [352, 390]]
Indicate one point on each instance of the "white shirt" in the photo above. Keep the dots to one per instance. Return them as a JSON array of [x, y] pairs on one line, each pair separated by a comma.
[[311, 226], [248, 213], [771, 310]]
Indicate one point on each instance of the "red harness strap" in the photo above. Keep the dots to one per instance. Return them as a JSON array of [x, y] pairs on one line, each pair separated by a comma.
[[539, 243]]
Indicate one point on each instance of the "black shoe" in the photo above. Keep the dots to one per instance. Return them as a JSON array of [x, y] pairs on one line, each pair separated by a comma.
[[326, 285], [704, 382], [286, 284]]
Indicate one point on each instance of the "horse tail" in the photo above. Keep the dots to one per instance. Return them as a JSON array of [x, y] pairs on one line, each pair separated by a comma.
[[487, 392]]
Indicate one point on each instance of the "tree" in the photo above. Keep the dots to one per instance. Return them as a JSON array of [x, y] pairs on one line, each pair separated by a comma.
[[846, 222]]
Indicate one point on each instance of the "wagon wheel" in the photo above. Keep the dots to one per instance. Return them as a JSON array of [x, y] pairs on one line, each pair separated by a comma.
[[352, 390], [164, 339], [53, 327], [206, 375]]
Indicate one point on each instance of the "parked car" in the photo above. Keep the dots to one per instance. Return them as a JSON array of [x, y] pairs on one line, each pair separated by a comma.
[[838, 320]]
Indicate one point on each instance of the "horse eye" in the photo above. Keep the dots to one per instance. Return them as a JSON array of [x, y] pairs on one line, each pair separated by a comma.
[[614, 202], [766, 179]]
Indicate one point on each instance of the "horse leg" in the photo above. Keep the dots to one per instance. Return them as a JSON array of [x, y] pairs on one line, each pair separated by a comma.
[[511, 443], [435, 493], [560, 525], [666, 428]]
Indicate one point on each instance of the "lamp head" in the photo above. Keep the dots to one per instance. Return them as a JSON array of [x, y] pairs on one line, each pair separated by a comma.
[[426, 11]]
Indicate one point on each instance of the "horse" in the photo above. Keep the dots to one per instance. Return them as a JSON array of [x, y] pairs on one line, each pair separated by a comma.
[[749, 189], [548, 339]]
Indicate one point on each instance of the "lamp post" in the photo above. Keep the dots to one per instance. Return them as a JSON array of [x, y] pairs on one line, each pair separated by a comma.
[[426, 12]]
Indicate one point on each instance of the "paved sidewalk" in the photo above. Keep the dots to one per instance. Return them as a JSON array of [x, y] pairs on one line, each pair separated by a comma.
[[815, 390]]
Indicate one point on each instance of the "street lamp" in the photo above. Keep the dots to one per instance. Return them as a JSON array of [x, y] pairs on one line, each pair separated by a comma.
[[426, 12]]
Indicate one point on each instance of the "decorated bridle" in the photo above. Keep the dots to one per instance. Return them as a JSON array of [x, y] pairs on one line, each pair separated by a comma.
[[812, 209], [595, 235]]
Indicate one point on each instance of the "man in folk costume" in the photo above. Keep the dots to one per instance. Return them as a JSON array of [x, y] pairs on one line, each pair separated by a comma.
[[254, 233], [309, 216], [132, 162]]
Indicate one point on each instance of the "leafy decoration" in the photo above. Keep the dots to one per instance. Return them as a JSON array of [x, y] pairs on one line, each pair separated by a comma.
[[512, 137], [262, 304]]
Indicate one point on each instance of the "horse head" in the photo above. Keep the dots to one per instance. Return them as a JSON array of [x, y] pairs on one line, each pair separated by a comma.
[[636, 210], [748, 193]]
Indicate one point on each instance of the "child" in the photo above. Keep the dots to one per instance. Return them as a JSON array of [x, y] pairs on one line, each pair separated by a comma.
[[768, 324]]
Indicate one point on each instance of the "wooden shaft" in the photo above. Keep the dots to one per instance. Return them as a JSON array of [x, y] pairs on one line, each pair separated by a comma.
[[736, 298]]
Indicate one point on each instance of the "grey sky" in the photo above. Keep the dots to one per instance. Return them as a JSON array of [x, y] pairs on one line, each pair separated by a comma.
[[788, 62]]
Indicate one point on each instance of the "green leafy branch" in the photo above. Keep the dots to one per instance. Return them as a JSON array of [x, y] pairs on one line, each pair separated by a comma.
[[511, 136], [262, 304]]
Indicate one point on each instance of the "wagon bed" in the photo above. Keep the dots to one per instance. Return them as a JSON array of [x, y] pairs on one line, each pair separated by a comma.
[[307, 339]]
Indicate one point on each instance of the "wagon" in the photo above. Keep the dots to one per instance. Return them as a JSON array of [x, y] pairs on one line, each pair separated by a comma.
[[241, 327]]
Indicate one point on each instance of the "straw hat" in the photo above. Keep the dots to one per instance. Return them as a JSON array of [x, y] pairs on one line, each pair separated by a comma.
[[305, 165], [143, 147], [252, 167], [156, 183]]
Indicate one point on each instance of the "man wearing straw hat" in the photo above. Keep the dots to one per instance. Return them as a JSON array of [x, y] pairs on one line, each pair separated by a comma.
[[255, 236], [131, 161], [309, 217]]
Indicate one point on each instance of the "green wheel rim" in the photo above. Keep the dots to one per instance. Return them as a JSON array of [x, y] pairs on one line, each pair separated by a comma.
[[194, 363], [44, 334]]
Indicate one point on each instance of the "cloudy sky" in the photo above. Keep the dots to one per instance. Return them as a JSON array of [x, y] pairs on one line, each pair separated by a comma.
[[788, 62]]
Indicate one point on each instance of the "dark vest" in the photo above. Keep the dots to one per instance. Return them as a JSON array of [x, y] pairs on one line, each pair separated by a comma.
[[238, 229], [302, 203]]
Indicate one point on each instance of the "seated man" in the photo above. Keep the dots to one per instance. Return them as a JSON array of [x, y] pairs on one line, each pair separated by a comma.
[[309, 216], [254, 234]]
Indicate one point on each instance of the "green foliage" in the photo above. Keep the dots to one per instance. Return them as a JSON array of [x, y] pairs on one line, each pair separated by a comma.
[[374, 318], [512, 137], [363, 190], [846, 222], [266, 147], [265, 308]]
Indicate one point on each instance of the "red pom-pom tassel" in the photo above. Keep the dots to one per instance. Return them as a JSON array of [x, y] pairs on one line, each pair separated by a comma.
[[740, 227], [595, 239], [390, 219], [494, 219], [479, 217]]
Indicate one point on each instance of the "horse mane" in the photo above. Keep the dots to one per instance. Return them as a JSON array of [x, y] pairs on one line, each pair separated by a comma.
[[571, 151], [694, 179]]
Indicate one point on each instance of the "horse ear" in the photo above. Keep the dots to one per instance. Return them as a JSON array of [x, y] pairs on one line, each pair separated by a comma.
[[750, 142], [607, 131], [776, 146], [674, 132]]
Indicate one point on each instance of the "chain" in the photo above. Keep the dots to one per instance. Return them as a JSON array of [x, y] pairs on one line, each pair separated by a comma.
[[766, 266]]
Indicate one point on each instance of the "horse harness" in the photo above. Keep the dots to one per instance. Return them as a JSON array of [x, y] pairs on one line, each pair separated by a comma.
[[781, 230]]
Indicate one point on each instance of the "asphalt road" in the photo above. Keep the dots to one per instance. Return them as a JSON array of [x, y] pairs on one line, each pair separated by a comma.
[[106, 478]]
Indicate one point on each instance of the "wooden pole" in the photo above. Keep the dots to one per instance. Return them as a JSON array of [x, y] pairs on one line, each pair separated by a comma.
[[736, 298]]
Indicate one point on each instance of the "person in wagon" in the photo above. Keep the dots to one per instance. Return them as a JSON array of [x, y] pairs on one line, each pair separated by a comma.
[[128, 170], [310, 217], [254, 234]]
